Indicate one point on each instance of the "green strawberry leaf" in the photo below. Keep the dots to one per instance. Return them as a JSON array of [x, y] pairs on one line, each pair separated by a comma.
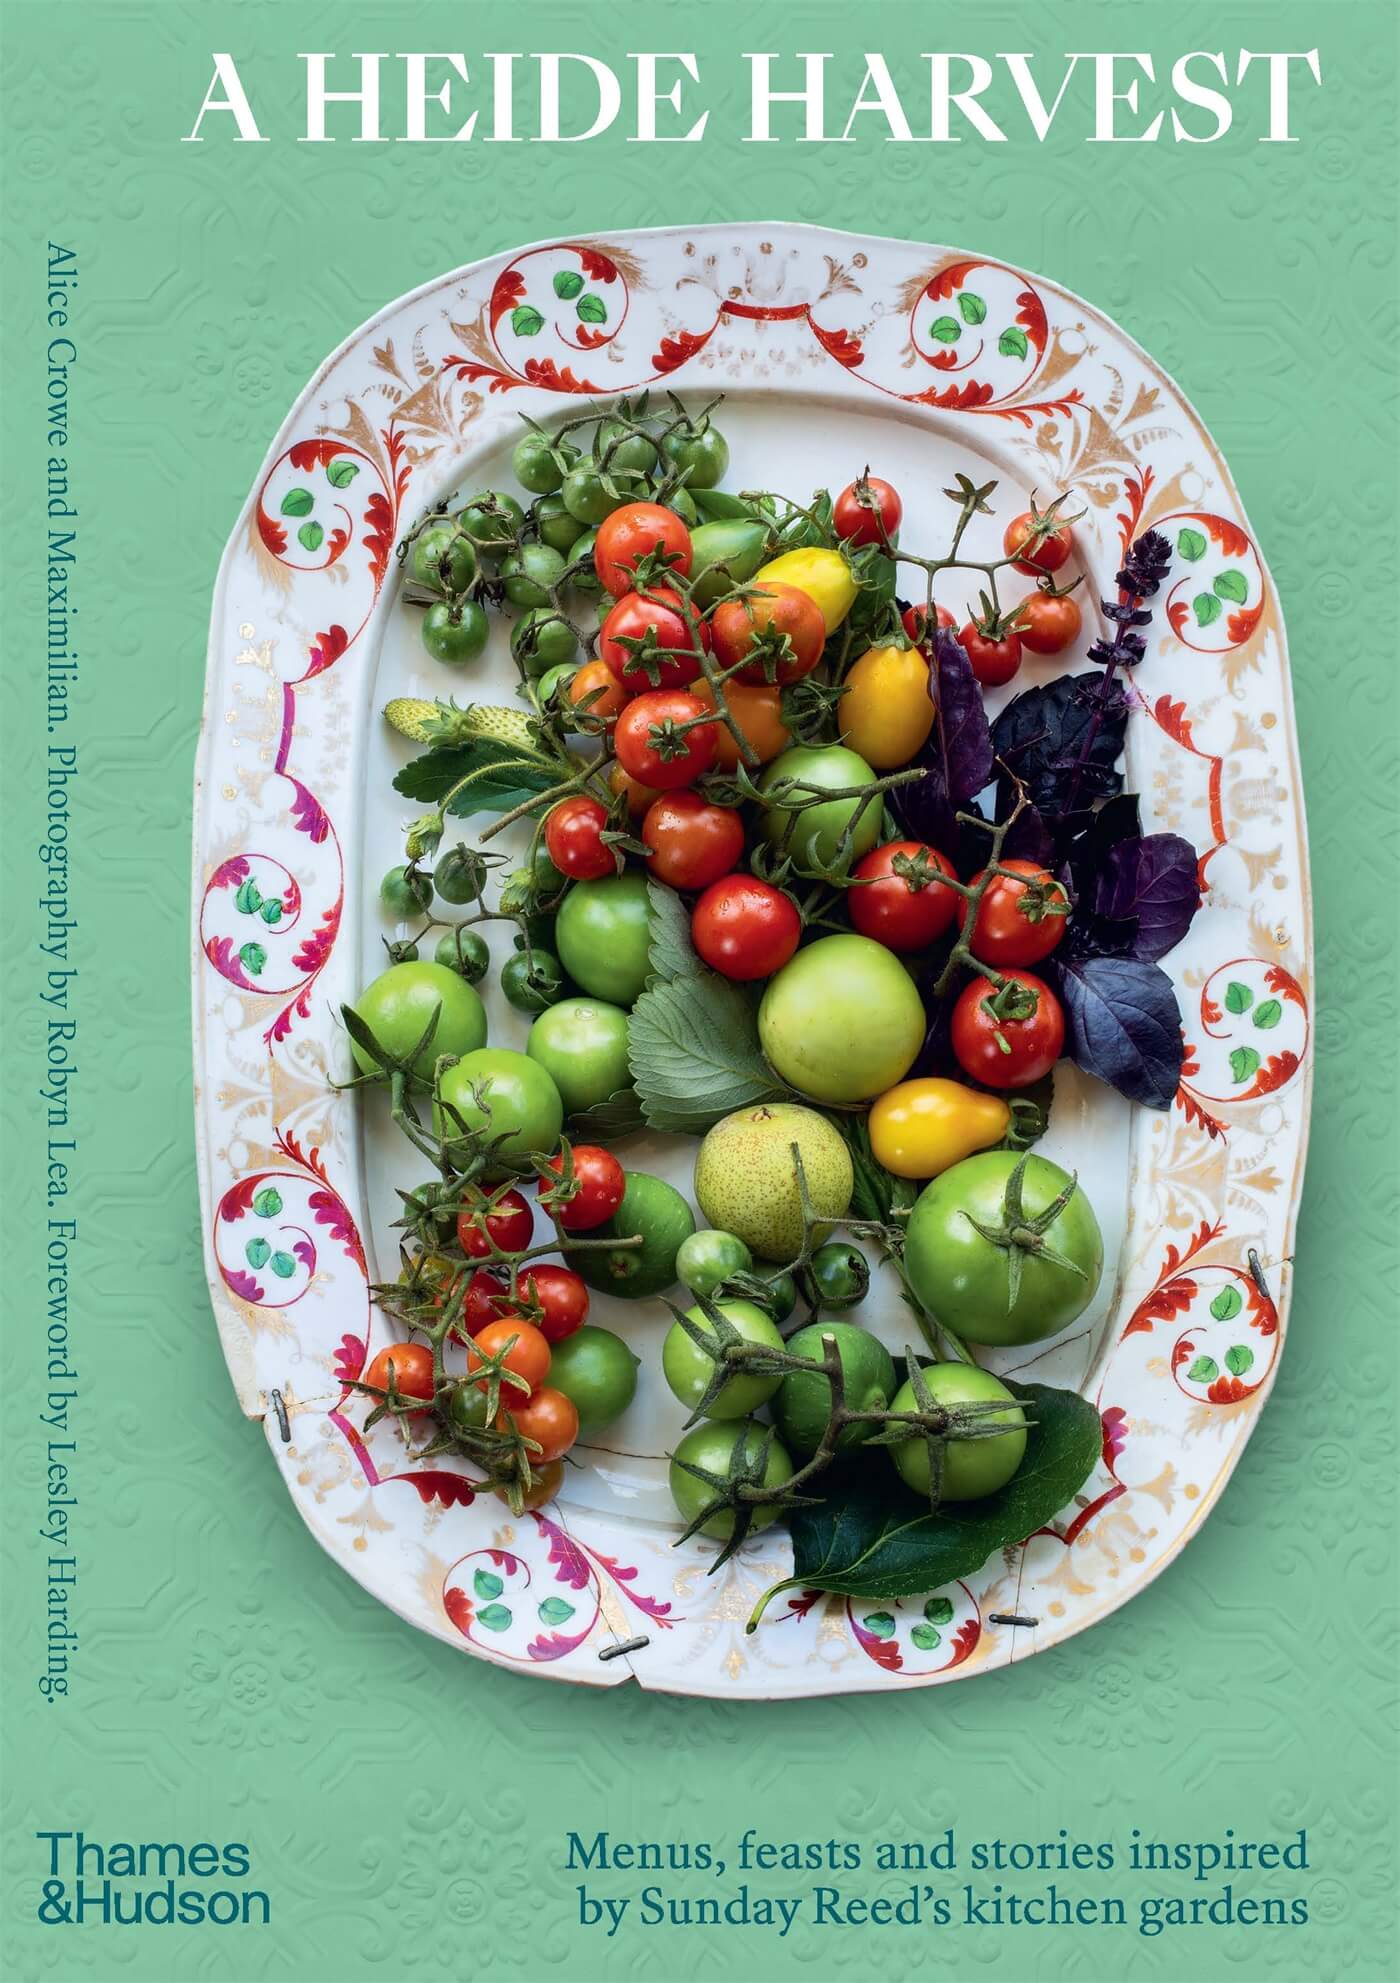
[[694, 1053]]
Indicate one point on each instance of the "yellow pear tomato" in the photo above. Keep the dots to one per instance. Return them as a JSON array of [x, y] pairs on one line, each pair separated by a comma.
[[922, 1128], [824, 576], [886, 712]]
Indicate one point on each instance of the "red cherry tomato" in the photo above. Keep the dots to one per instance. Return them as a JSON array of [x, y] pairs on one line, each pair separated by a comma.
[[1020, 918], [1007, 1052], [486, 1299], [635, 532], [915, 621], [559, 1295], [1050, 622], [549, 1418], [1049, 542], [509, 1224], [600, 1183], [692, 843], [863, 506], [993, 661], [413, 1370], [743, 928], [903, 910], [669, 656], [573, 838], [780, 627], [527, 1355], [652, 746]]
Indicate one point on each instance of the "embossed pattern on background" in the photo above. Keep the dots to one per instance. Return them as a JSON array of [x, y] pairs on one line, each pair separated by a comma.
[[234, 1682]]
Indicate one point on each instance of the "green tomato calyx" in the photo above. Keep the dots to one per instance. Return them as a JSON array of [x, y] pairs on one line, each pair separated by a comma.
[[1020, 1235]]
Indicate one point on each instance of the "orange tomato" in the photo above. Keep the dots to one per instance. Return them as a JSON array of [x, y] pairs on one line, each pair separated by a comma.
[[639, 797], [528, 1356], [413, 1370], [549, 1418], [597, 675], [755, 707], [549, 1478]]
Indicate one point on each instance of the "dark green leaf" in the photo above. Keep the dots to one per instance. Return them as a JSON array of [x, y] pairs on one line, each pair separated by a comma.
[[592, 309], [694, 1053], [1238, 1359], [298, 502], [672, 953], [872, 1541], [1227, 1304], [939, 1611], [608, 1121], [1238, 997], [1268, 1014], [946, 329], [311, 536], [501, 777], [971, 308], [487, 1586], [495, 1617], [1244, 1063], [341, 474], [525, 321], [1232, 585], [1204, 1370], [567, 284], [1012, 342], [1206, 608], [555, 1611], [1191, 544]]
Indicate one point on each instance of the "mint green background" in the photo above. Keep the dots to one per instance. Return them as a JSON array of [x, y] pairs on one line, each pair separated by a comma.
[[404, 1805]]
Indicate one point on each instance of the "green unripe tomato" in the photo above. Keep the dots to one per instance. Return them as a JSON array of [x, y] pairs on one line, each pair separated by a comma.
[[460, 875], [813, 834], [710, 1257], [555, 525], [403, 951], [598, 1371], [781, 1297], [533, 980], [654, 1212], [971, 1467], [583, 575], [842, 1021], [443, 558], [541, 640], [840, 1274], [493, 521], [802, 1405], [429, 1199], [551, 689], [624, 453], [466, 1407], [528, 574], [455, 633], [723, 554], [404, 893], [463, 951], [711, 1446], [500, 1094], [401, 1001], [604, 936], [688, 1368], [965, 1278], [539, 464], [582, 1044], [587, 498], [704, 452]]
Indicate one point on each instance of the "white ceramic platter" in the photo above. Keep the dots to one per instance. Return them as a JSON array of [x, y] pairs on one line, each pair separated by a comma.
[[822, 344]]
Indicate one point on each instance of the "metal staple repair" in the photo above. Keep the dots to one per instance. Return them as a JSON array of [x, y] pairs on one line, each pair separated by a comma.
[[1256, 1274], [1009, 1618], [284, 1426], [623, 1646]]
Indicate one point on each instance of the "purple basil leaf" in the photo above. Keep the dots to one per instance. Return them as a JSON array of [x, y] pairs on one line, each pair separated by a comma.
[[1152, 881], [1123, 1024], [1063, 740], [1029, 839], [967, 739]]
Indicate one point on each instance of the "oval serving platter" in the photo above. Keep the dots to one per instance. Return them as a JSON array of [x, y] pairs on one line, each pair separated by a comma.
[[822, 345]]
